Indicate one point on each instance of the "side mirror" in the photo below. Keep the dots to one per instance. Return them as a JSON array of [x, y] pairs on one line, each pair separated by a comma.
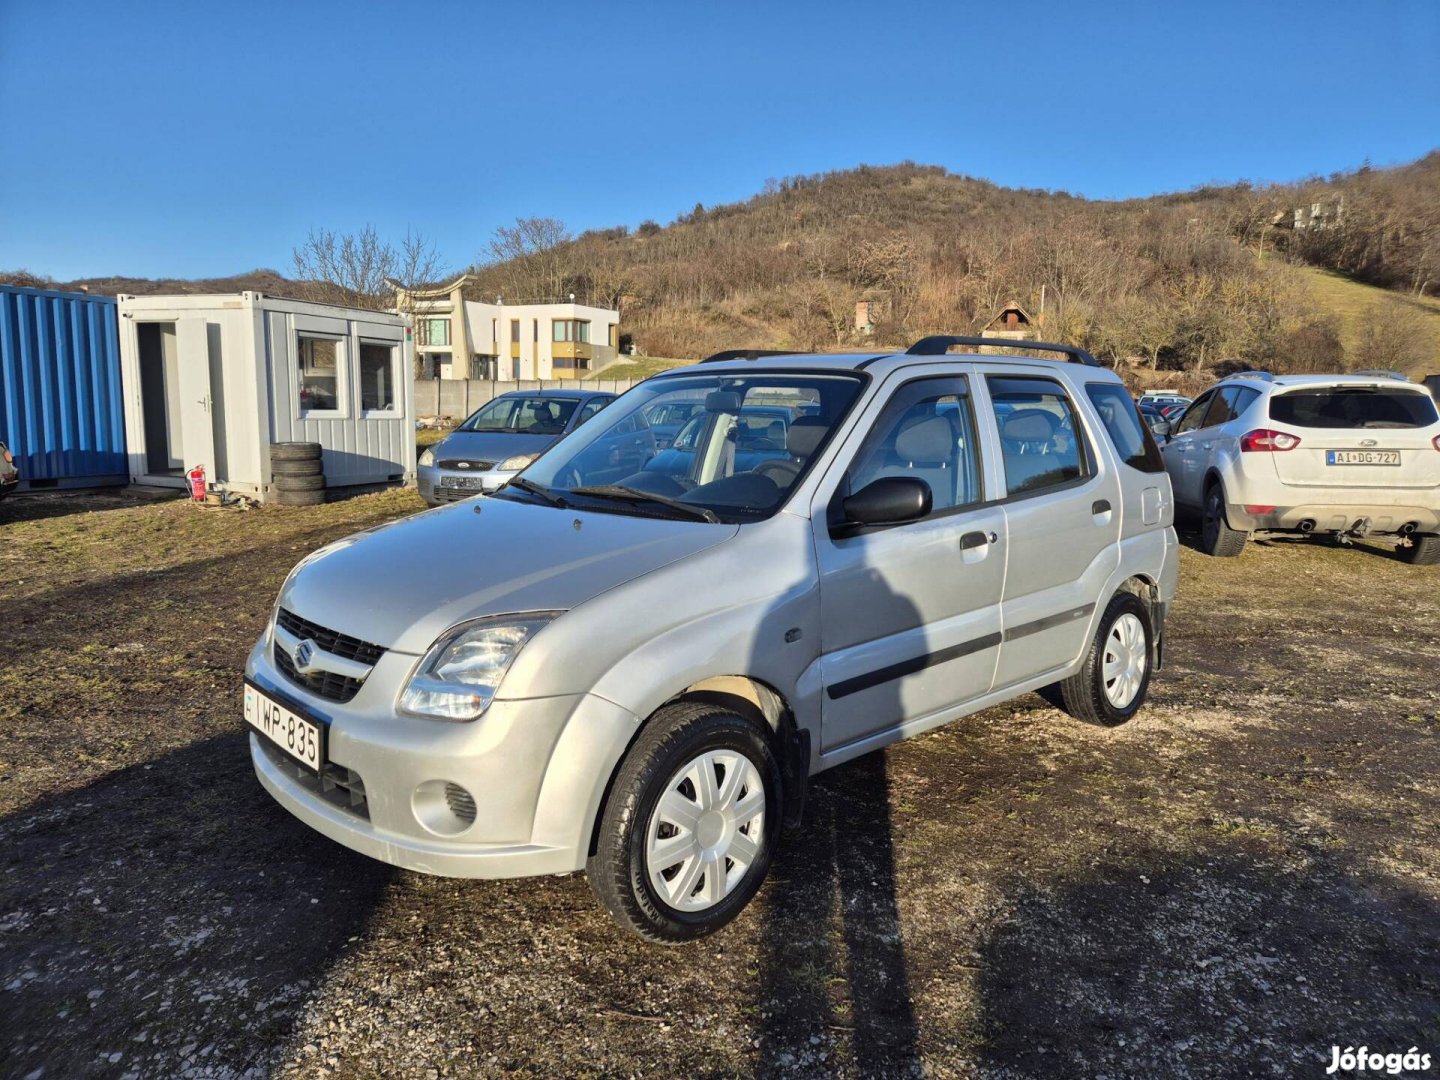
[[1161, 430], [890, 500]]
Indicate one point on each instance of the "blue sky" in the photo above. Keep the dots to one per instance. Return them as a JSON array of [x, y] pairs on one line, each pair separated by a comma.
[[195, 139]]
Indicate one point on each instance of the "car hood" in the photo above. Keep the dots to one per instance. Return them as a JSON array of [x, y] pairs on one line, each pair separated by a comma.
[[403, 585], [493, 446]]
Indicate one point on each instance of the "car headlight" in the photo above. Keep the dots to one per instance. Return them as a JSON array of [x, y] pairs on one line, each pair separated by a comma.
[[459, 675], [516, 463], [428, 457]]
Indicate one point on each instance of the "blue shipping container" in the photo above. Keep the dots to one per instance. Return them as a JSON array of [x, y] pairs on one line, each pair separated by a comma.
[[61, 413]]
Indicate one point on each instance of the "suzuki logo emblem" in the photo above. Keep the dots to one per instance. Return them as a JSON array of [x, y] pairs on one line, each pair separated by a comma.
[[304, 654]]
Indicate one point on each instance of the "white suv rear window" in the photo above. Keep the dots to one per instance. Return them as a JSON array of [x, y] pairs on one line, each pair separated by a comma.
[[1353, 407]]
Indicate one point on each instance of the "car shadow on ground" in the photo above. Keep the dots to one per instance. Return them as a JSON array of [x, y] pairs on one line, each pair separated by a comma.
[[1218, 964], [833, 964], [141, 932]]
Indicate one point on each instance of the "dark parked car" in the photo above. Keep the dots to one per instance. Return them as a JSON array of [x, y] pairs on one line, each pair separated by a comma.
[[666, 420], [9, 475], [501, 438]]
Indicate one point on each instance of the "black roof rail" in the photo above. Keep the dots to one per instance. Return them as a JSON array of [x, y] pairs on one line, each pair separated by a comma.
[[940, 344], [745, 354], [1382, 373]]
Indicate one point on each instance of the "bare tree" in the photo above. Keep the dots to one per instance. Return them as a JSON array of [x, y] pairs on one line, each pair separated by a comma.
[[531, 259], [360, 269]]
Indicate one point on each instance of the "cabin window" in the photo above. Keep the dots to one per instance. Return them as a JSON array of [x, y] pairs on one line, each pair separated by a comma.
[[378, 384], [320, 362]]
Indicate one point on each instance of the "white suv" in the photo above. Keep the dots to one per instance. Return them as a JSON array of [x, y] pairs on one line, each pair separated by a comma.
[[1346, 455], [641, 673]]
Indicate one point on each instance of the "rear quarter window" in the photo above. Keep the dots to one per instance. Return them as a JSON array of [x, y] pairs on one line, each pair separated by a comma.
[[1128, 434], [1341, 407]]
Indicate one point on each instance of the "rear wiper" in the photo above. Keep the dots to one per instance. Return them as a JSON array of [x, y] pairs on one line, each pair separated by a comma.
[[616, 491], [540, 491]]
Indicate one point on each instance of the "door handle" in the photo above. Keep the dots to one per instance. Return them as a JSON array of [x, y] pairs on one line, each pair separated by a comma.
[[977, 539], [1100, 506]]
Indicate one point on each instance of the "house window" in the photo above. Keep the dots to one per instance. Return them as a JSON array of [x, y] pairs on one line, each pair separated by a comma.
[[435, 332], [515, 331], [571, 330], [319, 364], [535, 329], [377, 377]]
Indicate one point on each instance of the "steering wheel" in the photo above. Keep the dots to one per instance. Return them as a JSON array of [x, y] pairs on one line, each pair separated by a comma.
[[780, 471]]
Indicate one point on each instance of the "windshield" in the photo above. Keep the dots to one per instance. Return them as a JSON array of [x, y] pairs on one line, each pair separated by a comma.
[[748, 441], [523, 415], [1353, 407]]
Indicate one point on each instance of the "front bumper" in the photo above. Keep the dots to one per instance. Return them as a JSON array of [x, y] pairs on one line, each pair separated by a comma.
[[437, 485], [535, 768]]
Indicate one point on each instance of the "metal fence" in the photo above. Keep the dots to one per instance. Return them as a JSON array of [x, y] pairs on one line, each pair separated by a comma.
[[458, 398]]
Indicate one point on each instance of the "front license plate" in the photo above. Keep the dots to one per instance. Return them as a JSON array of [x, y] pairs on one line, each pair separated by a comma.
[[461, 483], [299, 736], [1362, 457]]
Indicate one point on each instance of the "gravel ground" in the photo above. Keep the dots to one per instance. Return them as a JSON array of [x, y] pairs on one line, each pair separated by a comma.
[[1244, 876]]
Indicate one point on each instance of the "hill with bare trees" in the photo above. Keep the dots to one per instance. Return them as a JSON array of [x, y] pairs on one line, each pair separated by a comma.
[[1175, 282]]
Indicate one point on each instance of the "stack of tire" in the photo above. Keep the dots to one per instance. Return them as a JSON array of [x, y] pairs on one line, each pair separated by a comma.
[[297, 474]]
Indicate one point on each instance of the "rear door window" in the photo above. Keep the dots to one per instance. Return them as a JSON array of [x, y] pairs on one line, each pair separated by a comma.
[[1039, 438], [1130, 437], [1353, 407]]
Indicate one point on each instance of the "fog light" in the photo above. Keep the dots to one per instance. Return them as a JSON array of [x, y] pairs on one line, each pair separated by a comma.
[[443, 807]]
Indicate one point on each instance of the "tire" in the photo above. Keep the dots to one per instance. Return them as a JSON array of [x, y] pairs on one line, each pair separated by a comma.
[[1424, 550], [1085, 695], [294, 451], [1216, 536], [678, 742], [308, 467], [299, 498], [299, 483]]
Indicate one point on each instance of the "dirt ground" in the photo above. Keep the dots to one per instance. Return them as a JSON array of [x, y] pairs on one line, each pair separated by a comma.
[[1244, 876]]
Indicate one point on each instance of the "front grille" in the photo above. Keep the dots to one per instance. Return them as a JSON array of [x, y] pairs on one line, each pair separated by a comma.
[[449, 495], [470, 464], [332, 641], [337, 785], [324, 684]]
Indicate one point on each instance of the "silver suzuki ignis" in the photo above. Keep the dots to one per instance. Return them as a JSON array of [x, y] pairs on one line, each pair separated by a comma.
[[634, 670]]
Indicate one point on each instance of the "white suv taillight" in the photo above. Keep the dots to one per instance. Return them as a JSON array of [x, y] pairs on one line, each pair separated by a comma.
[[1265, 441], [1436, 442]]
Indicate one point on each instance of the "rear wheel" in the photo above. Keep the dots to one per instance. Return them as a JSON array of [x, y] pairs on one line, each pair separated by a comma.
[[687, 835], [1112, 683], [1216, 536], [1424, 550]]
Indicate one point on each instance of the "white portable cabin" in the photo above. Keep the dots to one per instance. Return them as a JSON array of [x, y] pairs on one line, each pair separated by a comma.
[[214, 380]]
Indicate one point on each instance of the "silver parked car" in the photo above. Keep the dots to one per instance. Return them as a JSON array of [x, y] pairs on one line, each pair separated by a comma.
[[637, 677], [499, 439], [1340, 455]]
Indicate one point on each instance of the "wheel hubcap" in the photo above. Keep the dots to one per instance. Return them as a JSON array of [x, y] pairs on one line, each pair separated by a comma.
[[1126, 656], [705, 832]]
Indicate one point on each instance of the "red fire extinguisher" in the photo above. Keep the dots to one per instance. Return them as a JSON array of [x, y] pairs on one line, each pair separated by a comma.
[[196, 476]]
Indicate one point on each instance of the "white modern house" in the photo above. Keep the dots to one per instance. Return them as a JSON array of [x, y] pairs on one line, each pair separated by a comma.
[[214, 380], [457, 338]]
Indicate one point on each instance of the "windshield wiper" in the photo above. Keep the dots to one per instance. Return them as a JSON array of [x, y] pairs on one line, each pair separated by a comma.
[[540, 491], [627, 494]]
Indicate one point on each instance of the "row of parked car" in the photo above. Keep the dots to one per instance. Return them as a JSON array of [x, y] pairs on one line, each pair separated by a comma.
[[744, 572]]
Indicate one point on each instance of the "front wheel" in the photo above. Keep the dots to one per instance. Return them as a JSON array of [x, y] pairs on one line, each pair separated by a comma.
[[687, 835], [1112, 683]]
